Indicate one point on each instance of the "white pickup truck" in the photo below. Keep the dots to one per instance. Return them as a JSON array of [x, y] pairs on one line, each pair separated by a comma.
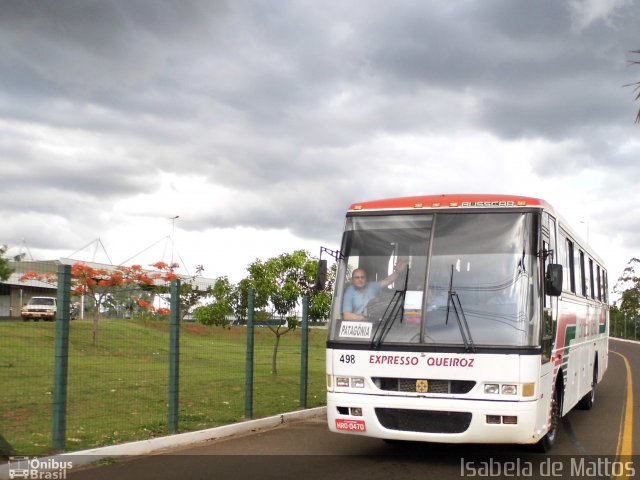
[[40, 307]]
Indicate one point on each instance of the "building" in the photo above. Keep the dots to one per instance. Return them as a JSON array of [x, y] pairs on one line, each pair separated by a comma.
[[15, 293]]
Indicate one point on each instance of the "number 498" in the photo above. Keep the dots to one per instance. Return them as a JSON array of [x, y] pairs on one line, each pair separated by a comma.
[[348, 358]]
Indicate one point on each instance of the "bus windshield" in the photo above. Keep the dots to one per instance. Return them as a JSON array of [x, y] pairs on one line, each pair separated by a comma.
[[449, 279]]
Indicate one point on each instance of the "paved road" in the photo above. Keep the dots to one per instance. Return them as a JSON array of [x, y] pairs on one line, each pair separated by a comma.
[[586, 448]]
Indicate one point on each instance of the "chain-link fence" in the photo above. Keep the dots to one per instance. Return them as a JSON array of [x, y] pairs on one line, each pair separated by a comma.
[[88, 380], [625, 326]]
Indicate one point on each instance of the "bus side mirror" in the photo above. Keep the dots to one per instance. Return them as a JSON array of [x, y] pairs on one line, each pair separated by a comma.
[[553, 280], [321, 275]]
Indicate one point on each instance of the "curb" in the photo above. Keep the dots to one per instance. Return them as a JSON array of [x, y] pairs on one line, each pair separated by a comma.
[[156, 445], [625, 340]]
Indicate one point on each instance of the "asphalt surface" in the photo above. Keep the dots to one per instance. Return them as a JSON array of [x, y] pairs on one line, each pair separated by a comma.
[[587, 445]]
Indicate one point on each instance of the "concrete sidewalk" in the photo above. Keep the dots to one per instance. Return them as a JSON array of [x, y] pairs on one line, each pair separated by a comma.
[[156, 445]]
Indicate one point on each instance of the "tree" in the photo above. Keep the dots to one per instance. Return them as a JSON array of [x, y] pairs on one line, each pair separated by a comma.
[[636, 85], [218, 311], [630, 302], [279, 282], [5, 269], [630, 305], [190, 293], [98, 283], [320, 304], [628, 308], [240, 297]]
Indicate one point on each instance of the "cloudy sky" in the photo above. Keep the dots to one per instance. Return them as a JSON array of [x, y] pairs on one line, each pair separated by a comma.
[[260, 122]]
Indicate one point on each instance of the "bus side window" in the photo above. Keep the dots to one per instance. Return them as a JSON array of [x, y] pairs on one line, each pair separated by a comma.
[[583, 275], [592, 293], [577, 270], [599, 282], [571, 266], [562, 260]]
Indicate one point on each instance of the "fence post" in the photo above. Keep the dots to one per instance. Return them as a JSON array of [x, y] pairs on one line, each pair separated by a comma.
[[59, 427], [304, 352], [174, 356], [248, 387], [612, 327]]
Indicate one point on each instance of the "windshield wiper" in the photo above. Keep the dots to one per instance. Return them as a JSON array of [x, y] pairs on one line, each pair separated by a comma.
[[454, 300], [394, 310]]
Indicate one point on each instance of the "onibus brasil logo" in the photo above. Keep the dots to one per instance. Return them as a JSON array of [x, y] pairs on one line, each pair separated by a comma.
[[40, 469]]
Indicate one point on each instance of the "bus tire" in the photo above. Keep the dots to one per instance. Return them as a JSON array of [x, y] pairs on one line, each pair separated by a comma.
[[547, 442], [586, 402]]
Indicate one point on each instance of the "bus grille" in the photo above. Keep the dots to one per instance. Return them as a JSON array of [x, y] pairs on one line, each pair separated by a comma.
[[435, 386], [423, 421]]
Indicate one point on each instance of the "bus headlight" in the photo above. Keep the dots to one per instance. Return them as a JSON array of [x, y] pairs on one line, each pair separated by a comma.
[[353, 382], [357, 382], [342, 381], [492, 388], [509, 389], [526, 389]]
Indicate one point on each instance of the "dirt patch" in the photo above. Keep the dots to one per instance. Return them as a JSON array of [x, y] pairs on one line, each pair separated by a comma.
[[19, 414], [196, 328]]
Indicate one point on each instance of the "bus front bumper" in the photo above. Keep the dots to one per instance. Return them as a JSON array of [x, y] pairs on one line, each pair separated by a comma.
[[445, 420]]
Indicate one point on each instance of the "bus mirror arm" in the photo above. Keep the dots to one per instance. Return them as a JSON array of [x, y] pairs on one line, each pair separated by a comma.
[[321, 275], [553, 280]]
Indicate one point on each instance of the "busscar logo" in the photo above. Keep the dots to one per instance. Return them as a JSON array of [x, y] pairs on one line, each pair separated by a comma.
[[38, 469], [489, 204]]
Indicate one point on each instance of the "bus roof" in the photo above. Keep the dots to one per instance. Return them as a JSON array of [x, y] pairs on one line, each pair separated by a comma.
[[464, 200], [469, 201]]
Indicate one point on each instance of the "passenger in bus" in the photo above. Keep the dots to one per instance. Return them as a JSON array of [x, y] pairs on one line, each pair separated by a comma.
[[361, 292]]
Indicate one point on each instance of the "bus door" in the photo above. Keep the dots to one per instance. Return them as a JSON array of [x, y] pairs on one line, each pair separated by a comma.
[[550, 307], [549, 318]]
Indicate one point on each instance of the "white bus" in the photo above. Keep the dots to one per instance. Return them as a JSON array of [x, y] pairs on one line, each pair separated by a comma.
[[463, 319]]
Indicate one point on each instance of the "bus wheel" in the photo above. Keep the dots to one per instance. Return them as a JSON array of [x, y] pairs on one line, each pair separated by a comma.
[[546, 443], [586, 402]]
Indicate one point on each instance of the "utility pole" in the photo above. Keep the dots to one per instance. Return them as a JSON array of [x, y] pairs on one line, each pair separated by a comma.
[[173, 230]]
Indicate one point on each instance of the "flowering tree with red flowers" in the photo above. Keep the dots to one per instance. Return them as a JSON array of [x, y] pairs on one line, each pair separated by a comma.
[[49, 277], [99, 283], [191, 294]]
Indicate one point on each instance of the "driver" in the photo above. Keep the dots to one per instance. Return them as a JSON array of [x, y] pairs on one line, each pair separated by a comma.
[[361, 292]]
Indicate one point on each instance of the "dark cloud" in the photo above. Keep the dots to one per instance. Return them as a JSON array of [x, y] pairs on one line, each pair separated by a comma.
[[86, 46], [101, 175], [301, 108]]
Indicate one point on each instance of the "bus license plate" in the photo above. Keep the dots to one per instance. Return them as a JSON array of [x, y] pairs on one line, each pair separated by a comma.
[[351, 425]]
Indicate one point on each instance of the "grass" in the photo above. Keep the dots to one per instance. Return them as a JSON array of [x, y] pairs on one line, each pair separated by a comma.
[[118, 391]]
